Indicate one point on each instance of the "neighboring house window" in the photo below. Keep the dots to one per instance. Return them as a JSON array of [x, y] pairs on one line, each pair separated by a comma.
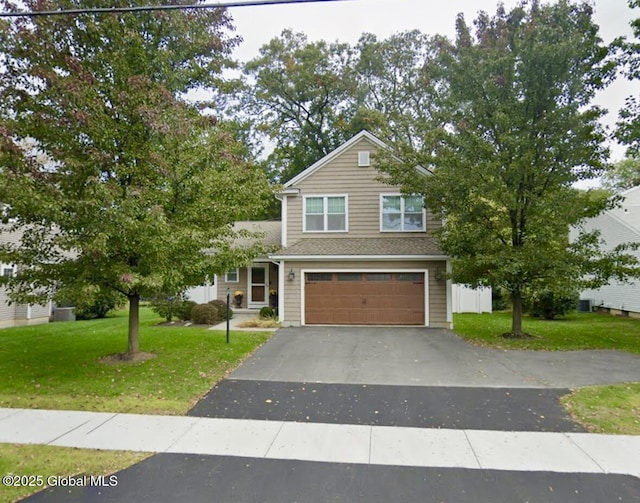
[[232, 276], [7, 271], [325, 214], [402, 214]]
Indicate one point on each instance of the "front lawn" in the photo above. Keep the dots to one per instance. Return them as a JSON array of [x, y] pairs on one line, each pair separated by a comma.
[[46, 462], [607, 409], [575, 332], [600, 409], [56, 366]]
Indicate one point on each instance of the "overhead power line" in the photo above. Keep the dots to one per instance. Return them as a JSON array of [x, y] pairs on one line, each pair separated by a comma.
[[108, 10]]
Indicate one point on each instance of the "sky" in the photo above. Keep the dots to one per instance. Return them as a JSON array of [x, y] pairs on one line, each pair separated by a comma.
[[347, 20]]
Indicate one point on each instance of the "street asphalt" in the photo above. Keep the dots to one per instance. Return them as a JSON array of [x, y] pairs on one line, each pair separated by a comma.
[[366, 415], [168, 478]]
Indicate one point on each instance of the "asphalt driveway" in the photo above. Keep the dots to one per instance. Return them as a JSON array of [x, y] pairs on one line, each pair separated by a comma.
[[425, 357], [413, 385]]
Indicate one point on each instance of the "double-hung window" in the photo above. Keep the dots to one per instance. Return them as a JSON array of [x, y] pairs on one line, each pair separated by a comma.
[[232, 276], [401, 214], [325, 214]]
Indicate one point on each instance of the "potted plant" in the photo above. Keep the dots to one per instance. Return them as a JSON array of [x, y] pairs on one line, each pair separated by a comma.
[[273, 298], [237, 297]]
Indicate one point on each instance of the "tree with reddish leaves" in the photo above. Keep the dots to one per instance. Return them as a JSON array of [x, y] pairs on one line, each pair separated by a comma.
[[115, 179]]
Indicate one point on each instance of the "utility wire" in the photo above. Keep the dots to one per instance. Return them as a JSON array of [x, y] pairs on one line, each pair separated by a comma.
[[107, 10]]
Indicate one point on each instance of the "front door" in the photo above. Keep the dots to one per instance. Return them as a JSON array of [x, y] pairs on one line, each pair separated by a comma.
[[258, 285]]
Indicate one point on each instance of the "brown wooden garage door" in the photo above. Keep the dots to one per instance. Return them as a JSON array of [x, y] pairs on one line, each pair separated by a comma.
[[364, 298]]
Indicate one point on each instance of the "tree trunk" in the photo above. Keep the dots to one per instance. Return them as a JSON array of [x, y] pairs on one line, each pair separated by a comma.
[[516, 320], [134, 324]]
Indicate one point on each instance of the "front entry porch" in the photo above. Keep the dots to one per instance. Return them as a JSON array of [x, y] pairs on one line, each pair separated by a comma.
[[251, 288]]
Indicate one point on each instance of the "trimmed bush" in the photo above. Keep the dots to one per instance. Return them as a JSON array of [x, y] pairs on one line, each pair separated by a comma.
[[172, 306], [184, 312], [221, 306], [548, 304], [205, 314], [267, 312]]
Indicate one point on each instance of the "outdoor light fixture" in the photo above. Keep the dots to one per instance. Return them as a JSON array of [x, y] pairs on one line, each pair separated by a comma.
[[438, 275], [292, 275]]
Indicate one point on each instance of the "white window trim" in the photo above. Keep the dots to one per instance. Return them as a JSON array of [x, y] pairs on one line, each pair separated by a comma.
[[237, 280], [326, 212], [424, 215], [8, 266]]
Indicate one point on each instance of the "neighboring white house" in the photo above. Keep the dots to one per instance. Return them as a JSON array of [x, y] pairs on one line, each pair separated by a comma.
[[18, 314], [618, 226]]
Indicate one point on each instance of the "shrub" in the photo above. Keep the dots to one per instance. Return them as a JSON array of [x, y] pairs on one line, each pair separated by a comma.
[[221, 306], [172, 306], [499, 299], [267, 312], [548, 303], [205, 314], [90, 303], [184, 312]]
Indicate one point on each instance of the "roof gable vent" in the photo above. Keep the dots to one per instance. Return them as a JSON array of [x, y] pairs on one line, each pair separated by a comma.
[[364, 159]]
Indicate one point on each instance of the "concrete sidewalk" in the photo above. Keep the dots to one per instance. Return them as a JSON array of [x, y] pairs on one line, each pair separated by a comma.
[[358, 444]]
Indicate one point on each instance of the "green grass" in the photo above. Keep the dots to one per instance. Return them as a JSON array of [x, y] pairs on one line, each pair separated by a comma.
[[607, 409], [600, 409], [47, 461], [56, 366], [574, 332]]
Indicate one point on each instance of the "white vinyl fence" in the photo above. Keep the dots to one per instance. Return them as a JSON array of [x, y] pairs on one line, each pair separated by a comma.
[[471, 300]]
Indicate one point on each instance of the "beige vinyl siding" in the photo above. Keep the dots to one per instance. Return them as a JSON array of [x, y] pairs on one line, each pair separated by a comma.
[[437, 301], [343, 176], [240, 285]]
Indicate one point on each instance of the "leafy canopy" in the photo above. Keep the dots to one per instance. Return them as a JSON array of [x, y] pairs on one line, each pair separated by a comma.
[[115, 179], [516, 131]]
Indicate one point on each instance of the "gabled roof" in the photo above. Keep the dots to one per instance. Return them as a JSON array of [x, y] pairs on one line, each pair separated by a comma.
[[342, 148], [629, 211]]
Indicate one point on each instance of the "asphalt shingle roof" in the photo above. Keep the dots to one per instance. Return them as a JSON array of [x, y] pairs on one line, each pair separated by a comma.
[[401, 246], [270, 231]]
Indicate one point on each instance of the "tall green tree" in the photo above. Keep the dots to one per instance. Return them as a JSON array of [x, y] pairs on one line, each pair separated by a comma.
[[628, 131], [397, 79], [518, 131], [115, 179], [623, 175], [300, 95]]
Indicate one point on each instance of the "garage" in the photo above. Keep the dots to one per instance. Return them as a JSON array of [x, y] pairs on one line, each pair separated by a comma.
[[364, 298]]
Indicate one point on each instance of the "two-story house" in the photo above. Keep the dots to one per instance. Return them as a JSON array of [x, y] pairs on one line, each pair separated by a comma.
[[353, 250]]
